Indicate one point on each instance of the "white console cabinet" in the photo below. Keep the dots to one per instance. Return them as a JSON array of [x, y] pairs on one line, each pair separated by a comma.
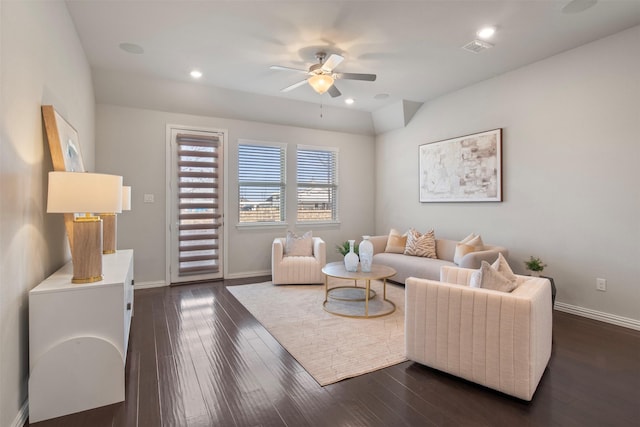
[[78, 337]]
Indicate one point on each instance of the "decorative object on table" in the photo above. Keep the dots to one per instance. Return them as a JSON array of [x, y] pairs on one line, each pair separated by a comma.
[[535, 265], [110, 223], [73, 192], [366, 254], [463, 169], [343, 248], [351, 259]]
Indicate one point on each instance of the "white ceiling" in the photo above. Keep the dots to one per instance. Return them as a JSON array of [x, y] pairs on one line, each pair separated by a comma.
[[414, 47]]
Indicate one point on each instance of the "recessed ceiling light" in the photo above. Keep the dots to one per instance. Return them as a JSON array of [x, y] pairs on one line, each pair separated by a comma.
[[349, 101], [486, 32], [131, 48], [196, 74]]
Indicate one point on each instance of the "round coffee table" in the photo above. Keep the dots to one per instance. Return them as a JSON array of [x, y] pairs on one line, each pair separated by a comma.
[[345, 300]]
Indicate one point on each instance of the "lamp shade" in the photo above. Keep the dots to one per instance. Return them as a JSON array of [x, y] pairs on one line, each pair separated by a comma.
[[126, 198], [74, 192], [320, 82]]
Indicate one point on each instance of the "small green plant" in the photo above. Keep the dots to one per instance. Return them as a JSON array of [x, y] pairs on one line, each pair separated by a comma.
[[343, 249], [535, 264]]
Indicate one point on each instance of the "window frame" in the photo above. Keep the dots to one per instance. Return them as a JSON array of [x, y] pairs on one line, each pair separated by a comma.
[[282, 147], [335, 185]]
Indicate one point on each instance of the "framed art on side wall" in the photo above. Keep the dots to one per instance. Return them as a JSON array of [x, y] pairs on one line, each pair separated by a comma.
[[63, 141], [462, 169], [64, 147]]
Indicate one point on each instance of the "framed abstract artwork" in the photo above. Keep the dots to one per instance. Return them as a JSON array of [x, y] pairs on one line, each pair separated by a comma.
[[63, 142], [65, 152], [462, 169]]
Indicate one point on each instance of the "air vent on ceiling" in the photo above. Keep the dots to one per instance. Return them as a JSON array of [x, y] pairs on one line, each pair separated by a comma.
[[477, 46]]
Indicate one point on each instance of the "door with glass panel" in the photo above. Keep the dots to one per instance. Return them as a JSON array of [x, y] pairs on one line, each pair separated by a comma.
[[196, 190]]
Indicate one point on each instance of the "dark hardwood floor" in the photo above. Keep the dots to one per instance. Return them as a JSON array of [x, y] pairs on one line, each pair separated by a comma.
[[198, 358]]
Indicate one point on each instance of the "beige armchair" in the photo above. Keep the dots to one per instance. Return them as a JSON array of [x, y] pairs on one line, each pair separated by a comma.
[[297, 269], [496, 339]]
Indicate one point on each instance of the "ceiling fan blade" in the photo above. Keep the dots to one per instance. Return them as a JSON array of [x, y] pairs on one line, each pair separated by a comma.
[[293, 86], [281, 68], [334, 92], [332, 62], [355, 76]]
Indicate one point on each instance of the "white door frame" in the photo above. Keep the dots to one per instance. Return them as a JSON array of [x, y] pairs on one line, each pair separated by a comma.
[[169, 159]]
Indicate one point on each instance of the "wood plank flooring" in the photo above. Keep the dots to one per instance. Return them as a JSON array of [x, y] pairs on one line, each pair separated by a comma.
[[198, 358]]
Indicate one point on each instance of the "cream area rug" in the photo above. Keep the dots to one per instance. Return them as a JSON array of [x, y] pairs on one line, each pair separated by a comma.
[[330, 347]]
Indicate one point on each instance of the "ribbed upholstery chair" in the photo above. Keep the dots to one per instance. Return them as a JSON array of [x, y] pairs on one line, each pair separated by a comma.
[[286, 270], [496, 339]]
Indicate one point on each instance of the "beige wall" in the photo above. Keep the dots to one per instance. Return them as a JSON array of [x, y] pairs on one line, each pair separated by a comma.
[[42, 63], [571, 150], [132, 142]]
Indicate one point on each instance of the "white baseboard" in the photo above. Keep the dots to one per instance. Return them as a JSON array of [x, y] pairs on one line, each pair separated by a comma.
[[598, 315], [22, 416], [162, 283], [248, 274], [149, 285]]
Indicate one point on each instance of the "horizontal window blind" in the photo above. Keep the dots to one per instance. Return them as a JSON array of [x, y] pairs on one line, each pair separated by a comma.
[[317, 182], [261, 182], [199, 216]]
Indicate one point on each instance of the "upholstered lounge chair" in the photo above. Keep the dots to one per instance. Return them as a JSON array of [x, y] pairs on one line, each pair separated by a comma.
[[498, 339], [297, 269]]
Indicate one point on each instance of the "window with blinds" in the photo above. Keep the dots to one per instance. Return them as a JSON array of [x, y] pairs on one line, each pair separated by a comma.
[[317, 180], [261, 181], [199, 215]]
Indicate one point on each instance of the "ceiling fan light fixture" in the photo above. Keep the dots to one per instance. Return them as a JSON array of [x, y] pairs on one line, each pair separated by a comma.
[[320, 82]]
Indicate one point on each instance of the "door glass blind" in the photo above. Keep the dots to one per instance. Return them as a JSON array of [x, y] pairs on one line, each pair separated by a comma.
[[317, 179], [261, 182], [199, 216]]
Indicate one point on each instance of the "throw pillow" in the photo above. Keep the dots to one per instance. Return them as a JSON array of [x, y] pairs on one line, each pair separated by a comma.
[[489, 278], [503, 268], [423, 245], [299, 245], [471, 243], [396, 242]]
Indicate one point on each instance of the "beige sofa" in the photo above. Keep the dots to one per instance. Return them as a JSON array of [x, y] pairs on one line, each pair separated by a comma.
[[496, 339], [429, 268]]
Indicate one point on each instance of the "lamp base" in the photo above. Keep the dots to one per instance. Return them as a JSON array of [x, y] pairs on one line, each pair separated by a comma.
[[109, 232], [87, 249]]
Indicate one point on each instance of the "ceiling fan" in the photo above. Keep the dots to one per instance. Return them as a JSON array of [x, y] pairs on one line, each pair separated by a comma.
[[321, 75]]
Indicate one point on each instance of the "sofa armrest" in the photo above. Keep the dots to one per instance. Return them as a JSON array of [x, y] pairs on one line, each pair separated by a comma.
[[497, 339], [277, 250], [474, 259], [320, 251]]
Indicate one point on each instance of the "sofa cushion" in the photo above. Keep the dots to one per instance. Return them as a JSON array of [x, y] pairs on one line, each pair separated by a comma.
[[471, 243], [502, 266], [396, 242], [299, 245], [490, 278], [422, 245]]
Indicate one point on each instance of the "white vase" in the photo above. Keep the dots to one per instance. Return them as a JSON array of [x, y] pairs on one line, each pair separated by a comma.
[[351, 259], [366, 254]]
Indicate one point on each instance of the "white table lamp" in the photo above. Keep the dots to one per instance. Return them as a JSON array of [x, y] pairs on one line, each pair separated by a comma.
[[74, 192], [110, 223]]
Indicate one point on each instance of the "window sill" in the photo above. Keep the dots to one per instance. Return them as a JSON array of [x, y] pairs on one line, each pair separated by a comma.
[[261, 225]]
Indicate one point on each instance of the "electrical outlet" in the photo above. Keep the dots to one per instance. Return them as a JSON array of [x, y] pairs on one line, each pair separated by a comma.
[[149, 198], [601, 284]]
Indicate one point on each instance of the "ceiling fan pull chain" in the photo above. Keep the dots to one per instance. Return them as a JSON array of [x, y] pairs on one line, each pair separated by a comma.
[[320, 109]]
